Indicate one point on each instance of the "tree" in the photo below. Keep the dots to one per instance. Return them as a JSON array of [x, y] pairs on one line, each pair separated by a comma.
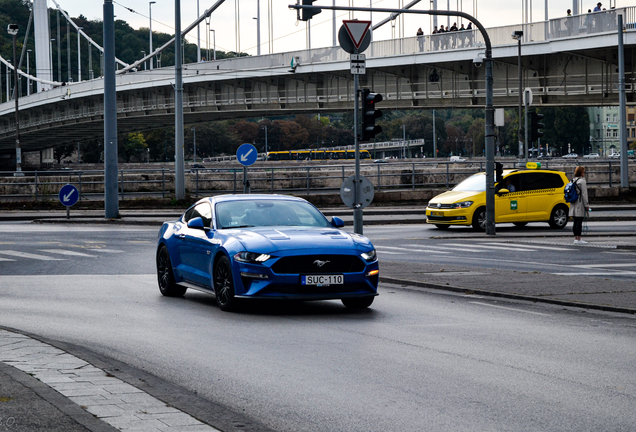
[[134, 144], [60, 152]]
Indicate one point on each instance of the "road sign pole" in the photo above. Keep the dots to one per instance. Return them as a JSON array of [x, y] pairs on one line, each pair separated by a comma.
[[357, 210], [246, 183]]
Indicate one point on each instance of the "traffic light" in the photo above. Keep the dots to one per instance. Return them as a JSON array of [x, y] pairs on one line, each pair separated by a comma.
[[369, 114], [499, 172], [306, 14], [535, 126]]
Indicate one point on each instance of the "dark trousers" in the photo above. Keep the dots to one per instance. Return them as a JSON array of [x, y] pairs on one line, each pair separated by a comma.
[[578, 226]]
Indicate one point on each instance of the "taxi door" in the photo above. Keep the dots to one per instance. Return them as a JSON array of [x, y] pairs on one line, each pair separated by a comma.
[[511, 206]]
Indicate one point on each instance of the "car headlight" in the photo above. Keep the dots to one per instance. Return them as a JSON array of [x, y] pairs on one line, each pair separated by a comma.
[[369, 256], [251, 257], [463, 204]]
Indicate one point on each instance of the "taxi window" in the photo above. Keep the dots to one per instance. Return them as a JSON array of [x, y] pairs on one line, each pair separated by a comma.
[[537, 181], [474, 183]]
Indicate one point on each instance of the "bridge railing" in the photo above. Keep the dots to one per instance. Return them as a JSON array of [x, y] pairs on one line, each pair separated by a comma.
[[291, 178]]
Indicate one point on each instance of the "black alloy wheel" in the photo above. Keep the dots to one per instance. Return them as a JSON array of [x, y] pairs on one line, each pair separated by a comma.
[[358, 302], [165, 278], [224, 284], [559, 217], [479, 219]]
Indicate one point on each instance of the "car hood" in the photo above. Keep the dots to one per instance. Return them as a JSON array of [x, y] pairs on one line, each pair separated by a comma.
[[272, 239], [454, 196]]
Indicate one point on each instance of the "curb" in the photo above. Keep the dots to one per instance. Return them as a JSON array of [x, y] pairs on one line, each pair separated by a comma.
[[451, 288]]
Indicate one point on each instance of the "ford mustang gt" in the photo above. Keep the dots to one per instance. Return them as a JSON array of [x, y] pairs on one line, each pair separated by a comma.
[[265, 247]]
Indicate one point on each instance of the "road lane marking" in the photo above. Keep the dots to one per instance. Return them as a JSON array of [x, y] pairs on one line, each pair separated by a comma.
[[6, 259], [605, 273], [534, 246], [406, 250], [67, 253], [508, 308], [441, 249], [605, 265], [104, 250], [30, 256], [492, 247]]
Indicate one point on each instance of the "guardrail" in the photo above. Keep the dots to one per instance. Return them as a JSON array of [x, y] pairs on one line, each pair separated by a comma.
[[295, 178]]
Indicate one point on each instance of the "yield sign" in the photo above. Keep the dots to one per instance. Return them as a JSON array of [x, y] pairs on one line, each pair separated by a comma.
[[357, 30]]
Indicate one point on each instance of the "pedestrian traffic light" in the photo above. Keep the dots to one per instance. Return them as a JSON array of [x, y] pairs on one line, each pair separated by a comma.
[[369, 114], [499, 172], [535, 126], [306, 14]]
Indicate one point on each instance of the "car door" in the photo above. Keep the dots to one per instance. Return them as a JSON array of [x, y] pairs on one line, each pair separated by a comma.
[[544, 190], [195, 247], [509, 206]]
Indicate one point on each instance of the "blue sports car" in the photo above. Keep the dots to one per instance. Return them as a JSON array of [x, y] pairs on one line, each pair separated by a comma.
[[265, 247]]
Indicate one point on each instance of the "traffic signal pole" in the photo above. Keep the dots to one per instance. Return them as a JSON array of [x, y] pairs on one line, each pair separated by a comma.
[[489, 108], [357, 209]]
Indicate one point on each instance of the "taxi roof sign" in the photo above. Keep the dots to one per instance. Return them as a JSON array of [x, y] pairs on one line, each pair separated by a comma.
[[533, 165]]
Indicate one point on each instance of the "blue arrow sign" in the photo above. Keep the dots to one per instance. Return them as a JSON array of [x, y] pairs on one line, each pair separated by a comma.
[[69, 195], [246, 154]]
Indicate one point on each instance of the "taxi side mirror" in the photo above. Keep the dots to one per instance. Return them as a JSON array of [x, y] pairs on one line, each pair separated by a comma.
[[503, 191]]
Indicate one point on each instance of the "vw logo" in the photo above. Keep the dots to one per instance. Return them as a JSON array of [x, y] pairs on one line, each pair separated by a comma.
[[320, 263], [439, 205]]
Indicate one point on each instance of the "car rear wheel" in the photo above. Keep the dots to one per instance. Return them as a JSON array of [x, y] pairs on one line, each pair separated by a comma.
[[358, 302], [479, 219], [559, 217], [520, 224], [165, 277], [224, 284], [442, 226]]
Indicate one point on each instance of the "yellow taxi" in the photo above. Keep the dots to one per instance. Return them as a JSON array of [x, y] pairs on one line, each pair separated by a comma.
[[522, 196]]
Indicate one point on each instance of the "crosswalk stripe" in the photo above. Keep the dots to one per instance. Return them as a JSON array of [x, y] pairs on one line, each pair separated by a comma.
[[105, 250], [534, 246], [6, 259], [29, 255], [606, 273], [406, 250], [594, 266], [67, 253], [492, 247], [391, 253]]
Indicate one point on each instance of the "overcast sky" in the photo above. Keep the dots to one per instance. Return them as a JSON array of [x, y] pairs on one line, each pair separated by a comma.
[[289, 35]]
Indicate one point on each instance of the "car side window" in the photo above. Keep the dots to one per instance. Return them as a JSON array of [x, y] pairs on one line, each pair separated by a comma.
[[188, 214], [539, 181], [203, 211]]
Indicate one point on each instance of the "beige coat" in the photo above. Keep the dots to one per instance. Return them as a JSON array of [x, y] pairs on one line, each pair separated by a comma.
[[577, 208]]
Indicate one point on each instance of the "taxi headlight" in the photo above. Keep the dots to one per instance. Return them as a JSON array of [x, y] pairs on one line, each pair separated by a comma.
[[463, 204], [251, 257], [369, 256]]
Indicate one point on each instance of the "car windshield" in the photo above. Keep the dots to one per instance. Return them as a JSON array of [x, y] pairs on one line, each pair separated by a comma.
[[474, 183], [268, 212]]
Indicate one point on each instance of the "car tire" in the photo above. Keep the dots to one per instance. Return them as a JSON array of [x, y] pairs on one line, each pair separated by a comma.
[[358, 302], [442, 226], [559, 217], [520, 224], [479, 219], [224, 284], [165, 277]]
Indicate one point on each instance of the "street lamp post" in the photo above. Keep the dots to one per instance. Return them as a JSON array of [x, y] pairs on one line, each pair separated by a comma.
[[150, 27], [258, 27], [79, 56], [517, 35], [12, 29], [28, 79]]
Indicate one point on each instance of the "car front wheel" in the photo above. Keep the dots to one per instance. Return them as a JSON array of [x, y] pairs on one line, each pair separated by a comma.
[[559, 217], [479, 219], [358, 302], [224, 284], [442, 226], [165, 277]]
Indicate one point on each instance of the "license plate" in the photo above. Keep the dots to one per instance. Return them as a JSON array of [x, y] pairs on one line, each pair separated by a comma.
[[437, 213], [322, 280]]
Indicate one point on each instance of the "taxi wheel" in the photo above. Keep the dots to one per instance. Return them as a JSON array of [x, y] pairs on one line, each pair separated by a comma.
[[520, 224], [479, 219], [442, 227], [559, 217]]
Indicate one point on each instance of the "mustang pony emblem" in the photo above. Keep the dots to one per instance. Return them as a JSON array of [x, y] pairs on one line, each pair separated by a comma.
[[320, 263]]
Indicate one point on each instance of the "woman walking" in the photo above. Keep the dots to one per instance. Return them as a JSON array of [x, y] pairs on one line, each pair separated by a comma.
[[580, 207]]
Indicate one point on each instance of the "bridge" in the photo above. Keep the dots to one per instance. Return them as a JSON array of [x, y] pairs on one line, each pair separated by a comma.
[[565, 61]]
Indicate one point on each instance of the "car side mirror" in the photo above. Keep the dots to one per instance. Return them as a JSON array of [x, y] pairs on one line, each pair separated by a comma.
[[196, 223], [337, 222], [503, 191]]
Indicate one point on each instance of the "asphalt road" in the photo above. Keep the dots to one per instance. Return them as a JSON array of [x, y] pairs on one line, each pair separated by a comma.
[[424, 360]]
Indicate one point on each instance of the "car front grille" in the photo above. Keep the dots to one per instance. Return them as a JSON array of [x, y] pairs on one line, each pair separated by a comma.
[[318, 264], [442, 206]]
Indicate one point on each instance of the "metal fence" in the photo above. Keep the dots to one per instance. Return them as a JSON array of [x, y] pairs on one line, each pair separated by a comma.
[[296, 178]]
